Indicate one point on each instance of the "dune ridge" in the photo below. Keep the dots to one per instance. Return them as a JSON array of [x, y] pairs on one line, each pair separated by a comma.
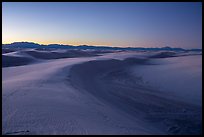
[[110, 81], [93, 95]]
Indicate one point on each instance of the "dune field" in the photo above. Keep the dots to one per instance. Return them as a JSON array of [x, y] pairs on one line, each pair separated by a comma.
[[101, 92]]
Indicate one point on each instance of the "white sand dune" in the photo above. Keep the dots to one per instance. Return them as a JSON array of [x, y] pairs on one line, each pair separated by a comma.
[[19, 57], [181, 76], [113, 83], [8, 61], [7, 50], [57, 54], [91, 95]]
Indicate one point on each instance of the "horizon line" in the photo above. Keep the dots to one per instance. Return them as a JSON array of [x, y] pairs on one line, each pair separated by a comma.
[[92, 45]]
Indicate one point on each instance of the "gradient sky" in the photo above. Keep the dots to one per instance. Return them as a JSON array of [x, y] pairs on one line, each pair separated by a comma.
[[122, 24]]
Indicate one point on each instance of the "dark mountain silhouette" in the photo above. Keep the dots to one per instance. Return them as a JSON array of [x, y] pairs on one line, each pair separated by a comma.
[[61, 46]]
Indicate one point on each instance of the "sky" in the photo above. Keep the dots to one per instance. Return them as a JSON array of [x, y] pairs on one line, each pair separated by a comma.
[[117, 24]]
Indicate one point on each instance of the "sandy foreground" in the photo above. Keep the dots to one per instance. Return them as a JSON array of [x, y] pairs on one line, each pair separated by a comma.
[[89, 92]]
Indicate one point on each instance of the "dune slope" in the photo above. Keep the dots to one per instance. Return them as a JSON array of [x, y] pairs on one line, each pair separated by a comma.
[[91, 95]]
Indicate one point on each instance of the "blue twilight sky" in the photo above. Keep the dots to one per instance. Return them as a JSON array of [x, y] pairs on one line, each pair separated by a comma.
[[123, 24]]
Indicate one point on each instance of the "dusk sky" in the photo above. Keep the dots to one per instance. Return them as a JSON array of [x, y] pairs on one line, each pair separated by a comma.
[[121, 24]]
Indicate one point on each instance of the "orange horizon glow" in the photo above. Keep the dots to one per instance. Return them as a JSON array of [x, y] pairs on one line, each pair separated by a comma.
[[63, 43]]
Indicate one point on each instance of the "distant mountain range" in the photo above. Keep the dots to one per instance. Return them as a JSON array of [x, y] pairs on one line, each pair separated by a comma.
[[60, 46]]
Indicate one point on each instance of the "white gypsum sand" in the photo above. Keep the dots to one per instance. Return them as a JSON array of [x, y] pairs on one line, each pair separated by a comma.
[[92, 95]]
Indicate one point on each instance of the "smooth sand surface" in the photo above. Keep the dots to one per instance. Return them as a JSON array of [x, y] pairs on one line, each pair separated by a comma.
[[111, 82], [92, 95]]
